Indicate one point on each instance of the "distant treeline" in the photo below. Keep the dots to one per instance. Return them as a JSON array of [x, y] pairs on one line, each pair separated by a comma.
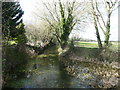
[[83, 39], [88, 40]]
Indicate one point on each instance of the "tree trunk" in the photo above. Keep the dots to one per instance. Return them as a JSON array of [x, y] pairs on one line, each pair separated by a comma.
[[96, 26], [98, 38], [97, 34], [64, 44], [107, 34]]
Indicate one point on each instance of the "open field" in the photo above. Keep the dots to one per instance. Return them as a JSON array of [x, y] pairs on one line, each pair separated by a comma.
[[114, 45], [87, 44]]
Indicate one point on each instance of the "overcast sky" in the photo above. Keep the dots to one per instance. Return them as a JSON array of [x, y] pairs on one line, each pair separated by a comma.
[[89, 32]]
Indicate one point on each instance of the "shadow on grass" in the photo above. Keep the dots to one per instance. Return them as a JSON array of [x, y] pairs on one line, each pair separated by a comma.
[[96, 53], [87, 52]]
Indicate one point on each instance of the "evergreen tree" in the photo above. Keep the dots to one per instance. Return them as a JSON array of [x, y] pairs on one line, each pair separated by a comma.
[[12, 23]]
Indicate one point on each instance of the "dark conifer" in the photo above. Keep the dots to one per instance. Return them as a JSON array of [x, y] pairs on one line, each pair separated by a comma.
[[12, 23]]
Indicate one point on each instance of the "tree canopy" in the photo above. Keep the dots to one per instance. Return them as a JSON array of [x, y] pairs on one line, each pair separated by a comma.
[[12, 23]]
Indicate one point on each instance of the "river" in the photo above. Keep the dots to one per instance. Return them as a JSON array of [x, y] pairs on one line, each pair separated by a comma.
[[48, 71]]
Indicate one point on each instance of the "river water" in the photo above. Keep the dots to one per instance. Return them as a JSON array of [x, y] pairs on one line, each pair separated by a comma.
[[47, 71]]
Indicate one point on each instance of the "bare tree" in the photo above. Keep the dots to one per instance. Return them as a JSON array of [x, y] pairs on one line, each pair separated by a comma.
[[62, 18], [38, 35], [96, 25], [103, 19]]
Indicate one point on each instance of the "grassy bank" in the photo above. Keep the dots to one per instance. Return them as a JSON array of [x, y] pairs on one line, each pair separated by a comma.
[[102, 62], [113, 45], [86, 44], [89, 51]]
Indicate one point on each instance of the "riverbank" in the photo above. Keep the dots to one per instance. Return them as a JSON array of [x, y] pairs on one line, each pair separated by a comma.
[[103, 63], [89, 52], [77, 68], [97, 75]]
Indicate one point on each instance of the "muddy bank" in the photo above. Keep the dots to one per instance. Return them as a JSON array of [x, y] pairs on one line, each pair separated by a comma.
[[105, 57], [99, 65], [97, 75], [112, 64]]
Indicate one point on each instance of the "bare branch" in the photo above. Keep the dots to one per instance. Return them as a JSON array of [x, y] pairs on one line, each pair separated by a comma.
[[100, 24], [111, 2], [113, 6], [49, 11], [100, 13], [106, 6], [56, 13]]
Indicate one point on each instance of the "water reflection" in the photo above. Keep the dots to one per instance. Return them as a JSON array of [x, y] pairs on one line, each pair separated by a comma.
[[64, 78], [46, 73]]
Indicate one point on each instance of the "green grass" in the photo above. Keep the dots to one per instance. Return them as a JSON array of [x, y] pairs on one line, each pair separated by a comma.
[[12, 42], [113, 47], [46, 55], [90, 50], [87, 44]]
